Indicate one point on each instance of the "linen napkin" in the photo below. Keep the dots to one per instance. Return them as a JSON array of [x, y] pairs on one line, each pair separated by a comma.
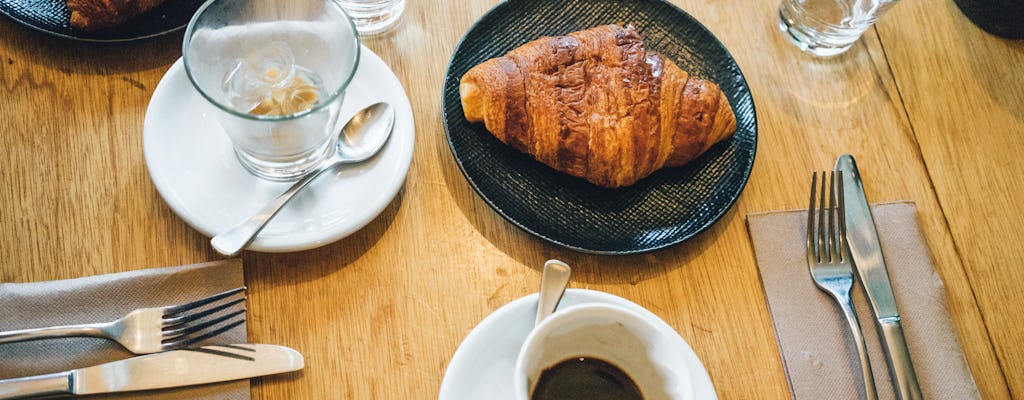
[[817, 348], [105, 298]]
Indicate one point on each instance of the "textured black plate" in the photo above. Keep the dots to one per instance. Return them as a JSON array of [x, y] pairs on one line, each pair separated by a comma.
[[52, 17], [666, 208]]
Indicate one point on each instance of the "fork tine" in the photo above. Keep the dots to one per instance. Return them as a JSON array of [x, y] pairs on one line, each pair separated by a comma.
[[183, 318], [811, 252], [171, 310], [196, 339], [190, 329], [842, 216], [833, 241], [823, 250]]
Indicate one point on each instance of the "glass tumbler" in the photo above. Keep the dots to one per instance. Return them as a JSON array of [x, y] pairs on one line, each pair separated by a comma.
[[828, 27], [275, 73], [373, 16]]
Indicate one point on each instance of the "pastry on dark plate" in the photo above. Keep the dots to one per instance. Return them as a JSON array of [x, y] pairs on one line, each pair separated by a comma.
[[98, 15], [596, 104]]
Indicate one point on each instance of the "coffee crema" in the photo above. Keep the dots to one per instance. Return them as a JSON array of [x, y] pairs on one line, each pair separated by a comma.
[[587, 378]]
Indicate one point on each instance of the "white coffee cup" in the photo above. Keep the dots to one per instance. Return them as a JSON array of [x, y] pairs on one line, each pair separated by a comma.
[[610, 333]]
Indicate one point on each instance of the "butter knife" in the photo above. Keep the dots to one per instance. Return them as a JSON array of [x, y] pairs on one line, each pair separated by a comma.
[[160, 370], [867, 258]]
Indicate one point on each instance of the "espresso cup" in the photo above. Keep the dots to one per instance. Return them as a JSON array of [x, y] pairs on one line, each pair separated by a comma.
[[616, 342]]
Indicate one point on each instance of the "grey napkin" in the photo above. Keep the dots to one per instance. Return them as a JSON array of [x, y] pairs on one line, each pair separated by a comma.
[[105, 298], [820, 358]]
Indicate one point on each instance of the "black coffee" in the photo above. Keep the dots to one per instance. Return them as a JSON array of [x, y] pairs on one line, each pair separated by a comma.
[[585, 378]]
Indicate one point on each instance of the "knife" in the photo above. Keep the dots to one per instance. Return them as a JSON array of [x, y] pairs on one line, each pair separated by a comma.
[[867, 258], [161, 370]]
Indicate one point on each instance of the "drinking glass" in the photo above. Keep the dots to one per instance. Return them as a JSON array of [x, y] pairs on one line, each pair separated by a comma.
[[373, 16], [276, 74], [828, 27]]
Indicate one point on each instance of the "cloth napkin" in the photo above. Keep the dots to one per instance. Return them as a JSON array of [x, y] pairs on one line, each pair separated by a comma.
[[105, 298], [817, 349]]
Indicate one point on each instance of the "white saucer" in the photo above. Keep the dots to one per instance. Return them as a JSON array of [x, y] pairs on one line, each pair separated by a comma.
[[193, 166], [482, 366]]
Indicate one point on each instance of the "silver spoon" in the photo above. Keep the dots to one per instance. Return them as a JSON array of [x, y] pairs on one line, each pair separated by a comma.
[[362, 137], [553, 281]]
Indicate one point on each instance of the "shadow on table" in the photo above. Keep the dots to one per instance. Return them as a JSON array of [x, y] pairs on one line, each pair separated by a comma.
[[841, 84], [630, 269], [587, 268], [77, 57], [1000, 80], [286, 269]]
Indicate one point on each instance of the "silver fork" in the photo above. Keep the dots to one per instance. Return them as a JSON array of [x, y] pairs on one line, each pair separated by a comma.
[[152, 330], [828, 259]]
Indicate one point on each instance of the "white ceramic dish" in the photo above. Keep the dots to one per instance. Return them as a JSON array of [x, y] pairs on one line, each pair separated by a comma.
[[483, 366], [628, 340], [194, 168]]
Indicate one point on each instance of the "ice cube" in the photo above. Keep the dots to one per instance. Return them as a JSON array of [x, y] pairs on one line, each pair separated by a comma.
[[243, 87], [274, 63]]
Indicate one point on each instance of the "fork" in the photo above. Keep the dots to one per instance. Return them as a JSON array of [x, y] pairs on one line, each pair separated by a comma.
[[156, 329], [828, 259]]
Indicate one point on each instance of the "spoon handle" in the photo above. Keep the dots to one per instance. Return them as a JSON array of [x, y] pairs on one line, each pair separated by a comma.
[[553, 281], [235, 239]]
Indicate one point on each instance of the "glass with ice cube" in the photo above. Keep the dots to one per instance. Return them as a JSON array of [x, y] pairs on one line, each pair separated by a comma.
[[275, 74]]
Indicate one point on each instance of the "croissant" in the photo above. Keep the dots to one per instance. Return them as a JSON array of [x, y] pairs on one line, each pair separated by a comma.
[[597, 105], [96, 15]]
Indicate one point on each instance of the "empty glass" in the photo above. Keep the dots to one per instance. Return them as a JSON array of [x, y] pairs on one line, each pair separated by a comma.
[[373, 16], [828, 27], [276, 73]]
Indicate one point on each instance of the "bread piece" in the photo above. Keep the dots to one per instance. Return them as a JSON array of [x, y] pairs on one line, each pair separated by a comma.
[[97, 15], [597, 105]]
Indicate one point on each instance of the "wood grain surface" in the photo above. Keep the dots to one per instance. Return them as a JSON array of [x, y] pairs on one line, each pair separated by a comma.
[[972, 149], [931, 106]]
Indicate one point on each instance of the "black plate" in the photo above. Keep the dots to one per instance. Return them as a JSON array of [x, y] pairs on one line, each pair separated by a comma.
[[52, 17], [666, 208]]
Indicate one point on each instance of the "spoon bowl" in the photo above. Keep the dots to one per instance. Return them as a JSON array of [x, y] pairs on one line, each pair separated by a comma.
[[360, 139], [366, 133]]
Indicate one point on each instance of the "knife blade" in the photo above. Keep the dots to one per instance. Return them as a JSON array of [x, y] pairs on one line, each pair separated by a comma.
[[866, 253], [161, 370]]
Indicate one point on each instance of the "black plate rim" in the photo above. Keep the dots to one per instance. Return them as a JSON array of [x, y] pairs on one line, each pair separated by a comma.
[[711, 221], [27, 24]]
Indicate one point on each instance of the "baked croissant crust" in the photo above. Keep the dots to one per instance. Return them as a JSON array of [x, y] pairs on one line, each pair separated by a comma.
[[96, 15], [597, 105]]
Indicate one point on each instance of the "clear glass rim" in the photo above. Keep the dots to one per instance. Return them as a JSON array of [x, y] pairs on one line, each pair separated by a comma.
[[231, 110]]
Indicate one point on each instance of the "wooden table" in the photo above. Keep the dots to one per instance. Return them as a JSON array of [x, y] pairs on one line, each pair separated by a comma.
[[932, 107]]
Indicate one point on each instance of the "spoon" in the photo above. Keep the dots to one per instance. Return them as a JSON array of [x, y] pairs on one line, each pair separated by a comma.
[[553, 281], [360, 139]]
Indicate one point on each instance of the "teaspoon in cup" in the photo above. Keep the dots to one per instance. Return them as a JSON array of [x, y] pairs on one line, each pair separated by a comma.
[[361, 138], [553, 281]]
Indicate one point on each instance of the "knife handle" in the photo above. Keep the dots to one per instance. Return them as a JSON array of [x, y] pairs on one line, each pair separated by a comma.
[[900, 365], [39, 385]]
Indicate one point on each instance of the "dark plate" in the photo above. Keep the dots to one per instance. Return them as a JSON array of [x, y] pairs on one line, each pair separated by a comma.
[[666, 208], [52, 17]]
